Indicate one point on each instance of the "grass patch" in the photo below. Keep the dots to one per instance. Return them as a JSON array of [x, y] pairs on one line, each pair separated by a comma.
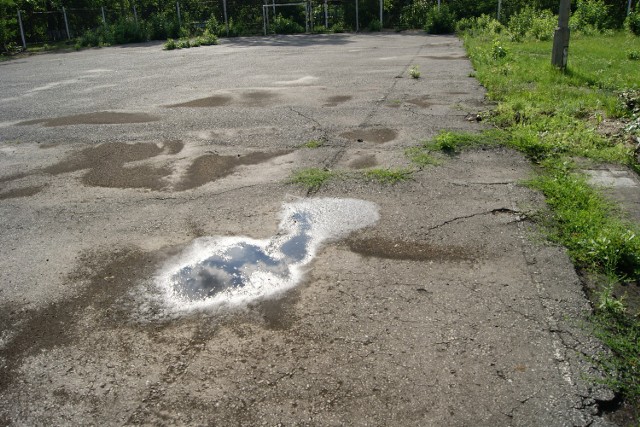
[[553, 116], [421, 157], [314, 143], [312, 178], [414, 72], [388, 176]]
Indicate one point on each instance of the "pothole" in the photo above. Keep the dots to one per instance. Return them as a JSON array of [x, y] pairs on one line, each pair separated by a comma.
[[218, 270], [363, 162], [375, 135], [98, 118], [422, 102]]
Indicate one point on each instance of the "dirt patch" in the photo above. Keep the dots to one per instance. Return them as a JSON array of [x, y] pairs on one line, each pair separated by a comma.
[[454, 92], [363, 162], [107, 164], [98, 118], [376, 135], [444, 57], [211, 167], [21, 192], [54, 325], [210, 101], [422, 102], [410, 251], [333, 101]]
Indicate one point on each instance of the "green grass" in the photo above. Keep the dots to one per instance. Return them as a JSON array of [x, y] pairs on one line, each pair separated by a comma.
[[553, 117], [421, 157], [388, 176], [314, 143], [312, 178]]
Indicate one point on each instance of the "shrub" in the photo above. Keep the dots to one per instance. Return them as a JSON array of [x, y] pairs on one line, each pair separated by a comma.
[[375, 25], [207, 38], [415, 14], [440, 20], [8, 26], [214, 27], [632, 23], [128, 31], [483, 24], [338, 27], [170, 44], [282, 25], [591, 16]]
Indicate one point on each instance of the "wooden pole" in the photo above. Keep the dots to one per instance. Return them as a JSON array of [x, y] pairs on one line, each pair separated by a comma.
[[560, 52]]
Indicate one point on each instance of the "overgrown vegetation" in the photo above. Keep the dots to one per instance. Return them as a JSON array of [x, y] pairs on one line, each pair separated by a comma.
[[554, 117], [388, 176], [312, 178], [206, 39]]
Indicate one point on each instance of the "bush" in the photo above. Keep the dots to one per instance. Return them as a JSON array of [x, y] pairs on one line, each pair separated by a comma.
[[415, 14], [8, 25], [128, 31], [632, 23], [591, 16], [162, 27], [440, 20], [483, 24], [170, 44], [338, 27], [375, 25], [207, 39], [282, 25]]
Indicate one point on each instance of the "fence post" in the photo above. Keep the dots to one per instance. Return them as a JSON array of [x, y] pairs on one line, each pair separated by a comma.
[[104, 20], [499, 8], [24, 42], [226, 21], [135, 14], [179, 18], [381, 2], [264, 18], [560, 49], [306, 18], [439, 1], [66, 23], [629, 8], [326, 15], [357, 17]]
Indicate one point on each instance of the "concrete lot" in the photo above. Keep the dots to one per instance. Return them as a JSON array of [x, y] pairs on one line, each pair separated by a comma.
[[450, 310]]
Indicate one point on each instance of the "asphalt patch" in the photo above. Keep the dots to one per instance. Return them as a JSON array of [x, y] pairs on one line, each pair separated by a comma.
[[409, 251], [98, 118], [375, 135], [211, 167]]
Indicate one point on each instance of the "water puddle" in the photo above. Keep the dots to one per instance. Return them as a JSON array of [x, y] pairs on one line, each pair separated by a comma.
[[99, 118], [254, 98], [232, 270], [376, 135]]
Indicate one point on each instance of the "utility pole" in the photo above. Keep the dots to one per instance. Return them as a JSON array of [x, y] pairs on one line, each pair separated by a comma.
[[560, 52]]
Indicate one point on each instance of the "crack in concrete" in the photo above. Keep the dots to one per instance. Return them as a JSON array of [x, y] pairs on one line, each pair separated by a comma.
[[493, 211]]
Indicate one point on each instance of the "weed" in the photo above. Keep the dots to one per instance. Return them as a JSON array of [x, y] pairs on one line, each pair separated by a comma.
[[414, 72], [421, 157], [312, 178], [451, 142], [314, 143], [170, 44], [388, 176]]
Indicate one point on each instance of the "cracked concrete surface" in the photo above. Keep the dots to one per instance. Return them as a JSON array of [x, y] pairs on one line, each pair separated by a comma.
[[451, 310]]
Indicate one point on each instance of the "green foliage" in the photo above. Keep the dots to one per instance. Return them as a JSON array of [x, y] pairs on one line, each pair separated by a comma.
[[421, 157], [312, 178], [206, 39], [282, 25], [8, 24], [389, 176], [314, 143], [338, 27], [532, 23], [633, 55], [632, 23], [414, 15], [170, 44], [451, 142], [375, 25], [479, 26], [498, 51], [591, 17], [440, 20]]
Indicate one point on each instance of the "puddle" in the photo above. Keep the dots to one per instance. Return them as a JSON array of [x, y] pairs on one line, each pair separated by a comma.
[[376, 135], [333, 101], [21, 192], [107, 165], [211, 101], [211, 167], [99, 118], [409, 251], [259, 98], [218, 270], [421, 102], [363, 162]]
